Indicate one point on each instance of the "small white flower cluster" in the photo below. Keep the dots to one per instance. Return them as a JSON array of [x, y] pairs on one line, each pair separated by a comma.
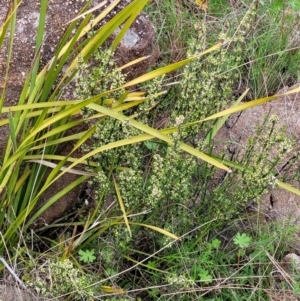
[[265, 150], [273, 182], [285, 146], [130, 182], [122, 237], [103, 184], [155, 193], [206, 84], [180, 280], [171, 177], [153, 87], [274, 118], [179, 120], [109, 130], [64, 278], [127, 129], [101, 76]]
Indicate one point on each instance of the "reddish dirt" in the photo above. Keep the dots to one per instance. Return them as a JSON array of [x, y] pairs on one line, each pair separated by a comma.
[[278, 203]]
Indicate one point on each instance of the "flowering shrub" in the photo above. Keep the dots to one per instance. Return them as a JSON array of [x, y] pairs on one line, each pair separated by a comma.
[[59, 278]]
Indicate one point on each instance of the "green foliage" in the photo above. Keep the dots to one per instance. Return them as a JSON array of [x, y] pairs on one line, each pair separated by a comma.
[[205, 276], [87, 255], [40, 122], [173, 190], [272, 56], [65, 279], [159, 183], [208, 264], [242, 240]]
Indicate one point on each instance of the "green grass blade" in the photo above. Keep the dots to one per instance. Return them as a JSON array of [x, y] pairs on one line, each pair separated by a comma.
[[9, 49], [87, 135], [56, 68], [222, 121], [58, 158], [58, 141], [242, 168], [122, 206], [12, 131], [157, 134], [88, 27], [22, 180], [39, 41], [126, 26], [72, 171], [59, 129], [288, 187], [65, 113], [167, 69], [5, 25], [32, 106], [102, 35], [157, 229], [249, 105]]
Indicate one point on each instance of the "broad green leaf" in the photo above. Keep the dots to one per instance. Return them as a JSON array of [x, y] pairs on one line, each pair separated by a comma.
[[151, 145], [205, 277], [242, 240], [87, 255]]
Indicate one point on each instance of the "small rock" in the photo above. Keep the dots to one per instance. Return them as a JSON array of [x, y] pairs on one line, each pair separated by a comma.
[[291, 263]]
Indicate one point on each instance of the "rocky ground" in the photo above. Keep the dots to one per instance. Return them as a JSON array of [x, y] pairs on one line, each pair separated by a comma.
[[278, 204]]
